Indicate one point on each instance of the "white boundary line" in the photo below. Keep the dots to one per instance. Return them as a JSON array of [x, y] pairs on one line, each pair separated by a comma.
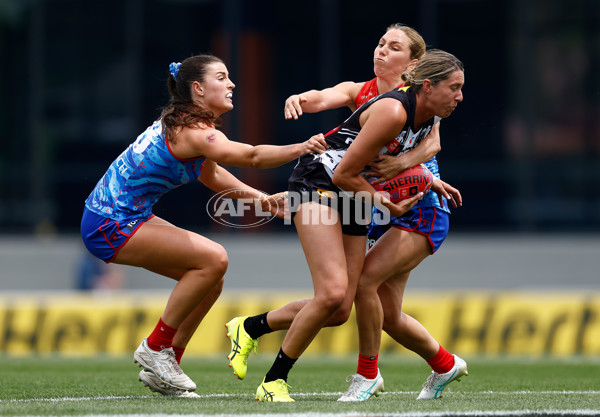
[[297, 394]]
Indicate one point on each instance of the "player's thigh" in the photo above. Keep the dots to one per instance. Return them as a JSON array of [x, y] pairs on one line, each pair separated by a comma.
[[174, 273], [396, 253], [161, 246], [323, 246]]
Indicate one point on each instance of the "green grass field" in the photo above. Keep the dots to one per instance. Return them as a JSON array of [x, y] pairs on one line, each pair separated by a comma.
[[109, 386]]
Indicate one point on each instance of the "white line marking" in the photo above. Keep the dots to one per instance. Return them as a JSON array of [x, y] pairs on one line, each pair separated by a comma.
[[297, 394]]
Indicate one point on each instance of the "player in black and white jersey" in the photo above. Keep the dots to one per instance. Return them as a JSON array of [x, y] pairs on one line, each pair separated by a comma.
[[314, 172], [340, 138], [335, 249]]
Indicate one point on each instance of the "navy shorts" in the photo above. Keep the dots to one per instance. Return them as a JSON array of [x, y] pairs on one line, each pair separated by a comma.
[[310, 182], [103, 237], [430, 222]]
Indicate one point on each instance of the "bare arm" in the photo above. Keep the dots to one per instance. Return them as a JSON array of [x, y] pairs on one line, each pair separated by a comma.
[[222, 181], [385, 167], [314, 101], [214, 145]]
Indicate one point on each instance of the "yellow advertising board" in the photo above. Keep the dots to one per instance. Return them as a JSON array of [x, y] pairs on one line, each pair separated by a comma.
[[467, 323]]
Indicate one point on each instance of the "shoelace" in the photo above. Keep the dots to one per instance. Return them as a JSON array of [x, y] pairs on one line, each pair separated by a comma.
[[253, 345], [354, 385], [431, 380], [173, 361], [284, 385], [168, 363]]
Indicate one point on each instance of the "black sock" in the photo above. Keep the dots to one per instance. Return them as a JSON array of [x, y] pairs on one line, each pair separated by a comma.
[[281, 367], [256, 326]]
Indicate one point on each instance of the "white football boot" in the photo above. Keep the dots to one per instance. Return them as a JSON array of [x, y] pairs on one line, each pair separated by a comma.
[[361, 388], [435, 384], [156, 385], [164, 365]]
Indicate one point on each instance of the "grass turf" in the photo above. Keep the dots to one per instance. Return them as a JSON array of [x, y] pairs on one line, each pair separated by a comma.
[[103, 386]]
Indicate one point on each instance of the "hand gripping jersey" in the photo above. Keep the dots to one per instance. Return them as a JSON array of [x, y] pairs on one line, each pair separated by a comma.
[[140, 176]]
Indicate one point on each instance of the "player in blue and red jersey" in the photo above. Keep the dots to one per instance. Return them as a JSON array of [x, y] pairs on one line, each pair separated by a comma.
[[118, 225]]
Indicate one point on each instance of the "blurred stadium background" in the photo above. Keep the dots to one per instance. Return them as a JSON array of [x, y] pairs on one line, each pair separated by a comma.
[[79, 80]]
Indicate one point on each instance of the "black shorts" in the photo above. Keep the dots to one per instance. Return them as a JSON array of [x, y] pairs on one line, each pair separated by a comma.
[[311, 182]]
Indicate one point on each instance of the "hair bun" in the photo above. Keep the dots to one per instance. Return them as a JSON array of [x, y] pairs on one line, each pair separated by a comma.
[[174, 69]]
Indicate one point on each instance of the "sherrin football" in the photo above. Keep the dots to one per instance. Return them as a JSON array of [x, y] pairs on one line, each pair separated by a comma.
[[407, 183]]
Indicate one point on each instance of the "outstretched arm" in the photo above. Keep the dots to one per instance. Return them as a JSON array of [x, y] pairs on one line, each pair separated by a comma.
[[314, 101], [214, 145], [222, 181]]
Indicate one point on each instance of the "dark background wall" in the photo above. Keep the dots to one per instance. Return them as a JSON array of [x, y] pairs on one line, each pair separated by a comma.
[[79, 80]]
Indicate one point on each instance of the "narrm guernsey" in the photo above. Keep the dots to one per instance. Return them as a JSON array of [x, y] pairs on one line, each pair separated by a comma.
[[145, 171], [340, 138], [368, 91]]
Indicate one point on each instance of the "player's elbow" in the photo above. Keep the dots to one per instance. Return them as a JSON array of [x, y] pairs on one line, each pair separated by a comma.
[[347, 182], [338, 179], [254, 159], [341, 180]]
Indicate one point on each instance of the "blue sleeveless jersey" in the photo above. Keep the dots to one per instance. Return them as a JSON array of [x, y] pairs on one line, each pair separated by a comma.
[[140, 176], [431, 198]]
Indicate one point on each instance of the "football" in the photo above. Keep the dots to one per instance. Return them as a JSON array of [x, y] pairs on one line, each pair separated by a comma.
[[407, 183]]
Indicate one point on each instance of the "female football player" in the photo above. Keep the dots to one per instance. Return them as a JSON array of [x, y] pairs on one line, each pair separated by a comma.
[[118, 225], [391, 123], [416, 234]]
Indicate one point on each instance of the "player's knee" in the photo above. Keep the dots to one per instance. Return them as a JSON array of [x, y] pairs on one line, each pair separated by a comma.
[[389, 324], [340, 317], [366, 290], [219, 261], [218, 289], [331, 300], [393, 323]]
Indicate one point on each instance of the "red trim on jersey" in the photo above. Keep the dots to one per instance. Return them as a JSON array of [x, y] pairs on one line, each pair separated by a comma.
[[366, 93], [181, 159], [332, 131]]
